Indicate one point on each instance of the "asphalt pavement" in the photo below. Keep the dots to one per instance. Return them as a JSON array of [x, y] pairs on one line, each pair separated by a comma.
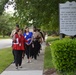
[[4, 43]]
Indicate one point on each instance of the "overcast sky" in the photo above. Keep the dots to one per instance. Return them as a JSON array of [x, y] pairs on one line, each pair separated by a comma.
[[10, 8]]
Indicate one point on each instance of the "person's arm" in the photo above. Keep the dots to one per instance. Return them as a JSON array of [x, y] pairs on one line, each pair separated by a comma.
[[40, 36], [31, 40], [12, 34], [25, 40], [15, 39]]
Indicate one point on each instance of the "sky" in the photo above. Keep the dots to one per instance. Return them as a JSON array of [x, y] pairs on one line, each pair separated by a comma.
[[10, 9]]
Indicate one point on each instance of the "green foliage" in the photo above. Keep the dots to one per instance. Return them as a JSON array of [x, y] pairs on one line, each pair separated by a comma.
[[2, 4], [6, 24], [6, 58], [43, 13], [64, 55]]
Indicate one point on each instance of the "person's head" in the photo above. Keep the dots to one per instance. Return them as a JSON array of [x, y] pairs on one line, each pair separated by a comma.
[[26, 29], [34, 29], [19, 31], [39, 30], [17, 27]]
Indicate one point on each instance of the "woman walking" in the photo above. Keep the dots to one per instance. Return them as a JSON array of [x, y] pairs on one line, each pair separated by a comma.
[[18, 47], [12, 35], [28, 36]]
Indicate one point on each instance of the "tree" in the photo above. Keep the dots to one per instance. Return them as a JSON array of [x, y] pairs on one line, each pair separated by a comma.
[[2, 5], [43, 13], [6, 24]]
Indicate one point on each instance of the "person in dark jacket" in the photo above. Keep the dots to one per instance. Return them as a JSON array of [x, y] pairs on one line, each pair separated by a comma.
[[36, 40]]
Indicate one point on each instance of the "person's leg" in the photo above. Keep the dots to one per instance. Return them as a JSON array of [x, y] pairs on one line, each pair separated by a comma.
[[32, 50], [39, 47], [20, 58], [16, 58], [23, 54], [35, 49], [13, 55], [27, 52]]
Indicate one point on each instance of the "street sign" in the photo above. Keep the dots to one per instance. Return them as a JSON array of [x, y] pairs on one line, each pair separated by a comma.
[[67, 15]]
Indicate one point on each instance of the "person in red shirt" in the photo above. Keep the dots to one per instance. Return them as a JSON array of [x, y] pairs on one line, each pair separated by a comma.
[[18, 47], [12, 35]]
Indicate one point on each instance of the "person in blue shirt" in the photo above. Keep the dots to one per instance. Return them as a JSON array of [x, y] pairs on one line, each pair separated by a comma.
[[28, 45]]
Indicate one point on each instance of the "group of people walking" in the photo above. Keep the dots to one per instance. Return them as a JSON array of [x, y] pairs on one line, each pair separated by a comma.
[[26, 43]]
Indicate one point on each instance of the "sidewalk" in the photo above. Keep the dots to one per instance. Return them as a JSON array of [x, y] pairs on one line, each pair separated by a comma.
[[33, 68]]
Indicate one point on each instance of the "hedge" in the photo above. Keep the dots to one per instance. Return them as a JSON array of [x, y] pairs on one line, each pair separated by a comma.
[[64, 55]]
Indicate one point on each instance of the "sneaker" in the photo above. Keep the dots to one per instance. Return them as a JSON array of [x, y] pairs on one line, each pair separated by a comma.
[[16, 67], [38, 55], [20, 66], [13, 62], [35, 57], [28, 61]]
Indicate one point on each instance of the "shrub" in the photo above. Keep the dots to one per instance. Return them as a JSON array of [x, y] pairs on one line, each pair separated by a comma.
[[64, 55]]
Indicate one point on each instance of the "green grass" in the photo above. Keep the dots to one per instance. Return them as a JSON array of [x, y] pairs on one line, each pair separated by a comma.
[[51, 39], [6, 37], [5, 58], [48, 59]]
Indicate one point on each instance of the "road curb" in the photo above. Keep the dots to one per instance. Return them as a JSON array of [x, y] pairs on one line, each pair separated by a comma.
[[30, 72]]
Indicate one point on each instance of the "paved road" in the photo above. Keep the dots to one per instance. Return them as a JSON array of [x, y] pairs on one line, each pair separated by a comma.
[[4, 43]]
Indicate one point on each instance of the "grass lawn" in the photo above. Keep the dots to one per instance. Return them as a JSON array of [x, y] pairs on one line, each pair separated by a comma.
[[48, 59], [51, 39], [6, 37], [5, 58]]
